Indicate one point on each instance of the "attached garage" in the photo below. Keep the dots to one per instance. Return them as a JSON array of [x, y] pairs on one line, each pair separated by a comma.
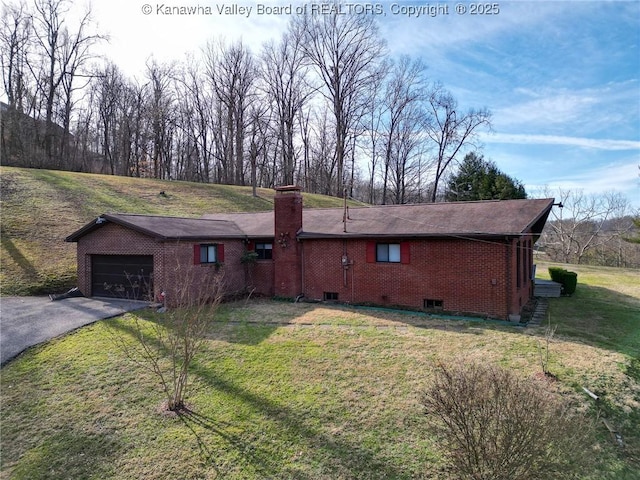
[[122, 276], [146, 256]]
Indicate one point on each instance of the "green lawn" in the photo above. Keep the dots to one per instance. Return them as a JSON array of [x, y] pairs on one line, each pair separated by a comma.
[[604, 310], [305, 391]]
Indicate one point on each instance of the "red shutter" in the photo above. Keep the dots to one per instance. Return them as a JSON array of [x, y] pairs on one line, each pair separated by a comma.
[[405, 252], [220, 253], [196, 254], [371, 252], [251, 246]]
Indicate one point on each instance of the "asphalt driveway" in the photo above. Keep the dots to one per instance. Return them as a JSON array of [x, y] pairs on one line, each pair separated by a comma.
[[28, 321]]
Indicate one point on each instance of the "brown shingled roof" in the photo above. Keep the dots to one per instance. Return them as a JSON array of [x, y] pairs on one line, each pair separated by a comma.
[[499, 217], [256, 224], [165, 228], [483, 218]]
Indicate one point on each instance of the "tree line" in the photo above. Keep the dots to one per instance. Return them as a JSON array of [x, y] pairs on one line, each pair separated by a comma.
[[592, 229], [324, 106]]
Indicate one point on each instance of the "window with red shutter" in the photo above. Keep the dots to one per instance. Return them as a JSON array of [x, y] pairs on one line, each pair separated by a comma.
[[208, 253], [405, 252], [388, 253], [371, 252]]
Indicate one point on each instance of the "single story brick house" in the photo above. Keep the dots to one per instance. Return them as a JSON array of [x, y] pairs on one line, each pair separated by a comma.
[[464, 257]]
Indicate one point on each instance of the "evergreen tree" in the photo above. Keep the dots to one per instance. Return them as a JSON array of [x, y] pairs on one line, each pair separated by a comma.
[[480, 179]]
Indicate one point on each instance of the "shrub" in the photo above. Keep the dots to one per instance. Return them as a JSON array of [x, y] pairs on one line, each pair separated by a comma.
[[496, 425], [556, 273], [569, 280]]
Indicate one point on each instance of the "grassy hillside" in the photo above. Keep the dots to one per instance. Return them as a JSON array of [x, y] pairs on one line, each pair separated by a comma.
[[42, 207]]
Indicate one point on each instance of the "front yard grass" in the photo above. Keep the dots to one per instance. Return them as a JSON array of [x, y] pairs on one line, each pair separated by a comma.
[[307, 391]]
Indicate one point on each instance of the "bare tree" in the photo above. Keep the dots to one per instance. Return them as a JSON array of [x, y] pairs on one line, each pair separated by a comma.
[[161, 111], [230, 71], [580, 226], [168, 344], [372, 121], [15, 32], [283, 74], [346, 51], [321, 163], [109, 87], [197, 102], [15, 28], [451, 131], [62, 54], [405, 120], [259, 116]]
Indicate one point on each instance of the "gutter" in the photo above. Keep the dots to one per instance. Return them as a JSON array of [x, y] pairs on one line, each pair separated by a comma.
[[508, 279], [462, 236]]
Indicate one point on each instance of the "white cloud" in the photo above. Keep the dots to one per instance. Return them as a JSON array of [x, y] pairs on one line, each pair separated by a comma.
[[593, 143], [440, 35], [593, 111], [547, 111], [620, 177]]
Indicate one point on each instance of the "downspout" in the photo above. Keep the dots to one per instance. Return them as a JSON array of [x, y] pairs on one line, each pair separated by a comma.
[[301, 268], [345, 256], [346, 266], [508, 279], [353, 281]]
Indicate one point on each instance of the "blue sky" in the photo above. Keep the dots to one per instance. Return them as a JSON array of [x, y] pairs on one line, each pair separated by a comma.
[[562, 78]]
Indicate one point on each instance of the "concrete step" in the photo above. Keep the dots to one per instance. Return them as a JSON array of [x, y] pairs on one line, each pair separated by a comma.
[[540, 313], [547, 289]]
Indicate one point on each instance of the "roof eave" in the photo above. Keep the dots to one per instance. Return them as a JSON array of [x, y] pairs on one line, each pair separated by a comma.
[[541, 218], [204, 237], [316, 235], [82, 231], [106, 218]]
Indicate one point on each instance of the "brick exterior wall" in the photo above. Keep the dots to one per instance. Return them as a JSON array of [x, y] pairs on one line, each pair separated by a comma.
[[468, 276], [261, 278], [173, 262], [484, 277], [179, 267]]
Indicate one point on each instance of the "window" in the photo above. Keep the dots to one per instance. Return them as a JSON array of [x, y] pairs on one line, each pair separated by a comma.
[[388, 252], [264, 251], [208, 254], [331, 295], [433, 304]]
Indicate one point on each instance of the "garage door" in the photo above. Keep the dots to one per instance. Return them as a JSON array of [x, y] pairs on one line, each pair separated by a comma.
[[122, 276]]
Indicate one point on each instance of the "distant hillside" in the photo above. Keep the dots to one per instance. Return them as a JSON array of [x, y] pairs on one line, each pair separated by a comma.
[[42, 207]]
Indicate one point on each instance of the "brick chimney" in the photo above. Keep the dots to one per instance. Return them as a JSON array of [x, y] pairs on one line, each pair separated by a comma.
[[287, 253]]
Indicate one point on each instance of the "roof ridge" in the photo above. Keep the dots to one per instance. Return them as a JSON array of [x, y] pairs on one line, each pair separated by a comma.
[[464, 202], [163, 216], [238, 213]]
